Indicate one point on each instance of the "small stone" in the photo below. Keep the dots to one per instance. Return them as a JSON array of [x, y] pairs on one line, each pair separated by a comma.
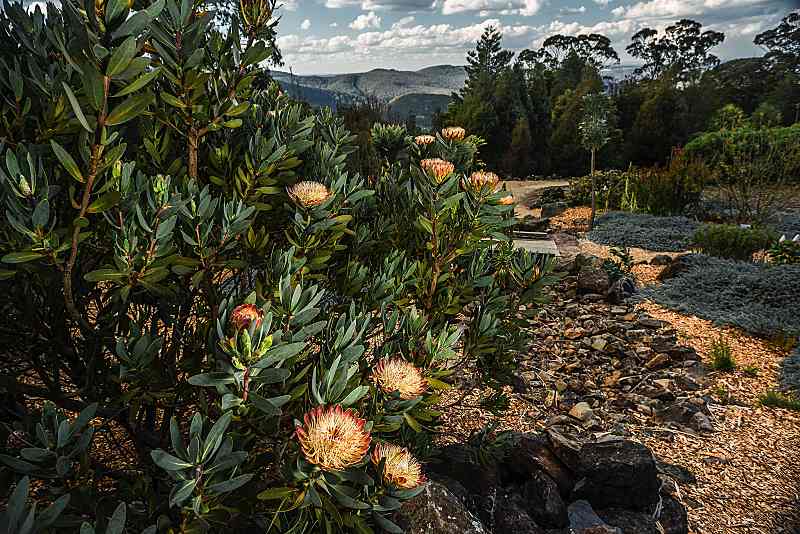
[[561, 386], [663, 383], [599, 344], [701, 422], [573, 333], [649, 322], [657, 361], [582, 412], [661, 259], [630, 317], [612, 379], [619, 310]]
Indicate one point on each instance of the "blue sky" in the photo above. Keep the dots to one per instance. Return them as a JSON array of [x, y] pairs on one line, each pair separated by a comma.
[[335, 36]]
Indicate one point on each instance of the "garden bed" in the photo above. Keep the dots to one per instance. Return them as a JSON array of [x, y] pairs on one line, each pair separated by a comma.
[[758, 298], [661, 234]]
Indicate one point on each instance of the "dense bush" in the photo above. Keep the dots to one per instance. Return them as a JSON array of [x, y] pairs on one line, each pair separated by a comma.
[[785, 251], [671, 190], [200, 279], [756, 297], [663, 234], [711, 146], [731, 241]]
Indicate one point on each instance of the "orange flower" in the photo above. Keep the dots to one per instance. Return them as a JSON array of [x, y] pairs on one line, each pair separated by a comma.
[[333, 438], [506, 200], [397, 374], [309, 194], [424, 139], [244, 314], [483, 179], [400, 469], [438, 168], [454, 133]]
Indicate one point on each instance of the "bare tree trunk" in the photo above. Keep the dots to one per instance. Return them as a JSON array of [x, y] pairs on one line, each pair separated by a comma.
[[591, 218]]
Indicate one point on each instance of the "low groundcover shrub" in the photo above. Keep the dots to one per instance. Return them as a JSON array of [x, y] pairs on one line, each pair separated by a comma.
[[662, 234], [732, 241], [756, 297]]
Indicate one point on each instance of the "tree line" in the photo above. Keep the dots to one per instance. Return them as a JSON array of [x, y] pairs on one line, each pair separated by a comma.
[[529, 106]]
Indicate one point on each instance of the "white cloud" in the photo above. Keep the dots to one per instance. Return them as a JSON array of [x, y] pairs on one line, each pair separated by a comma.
[[603, 3], [485, 7], [306, 24], [334, 24], [574, 10], [407, 6], [365, 21], [681, 8], [405, 21]]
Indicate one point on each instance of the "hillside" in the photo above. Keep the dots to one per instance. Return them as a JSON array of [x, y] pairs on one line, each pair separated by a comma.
[[422, 106], [384, 84]]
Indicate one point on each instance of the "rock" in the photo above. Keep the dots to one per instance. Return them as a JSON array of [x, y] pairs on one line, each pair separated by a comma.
[[617, 474], [661, 259], [543, 501], [621, 290], [532, 454], [584, 520], [629, 522], [673, 517], [701, 422], [437, 511], [481, 481], [593, 280], [619, 310], [553, 208], [678, 265], [648, 322], [599, 343], [657, 361], [565, 449], [510, 516], [582, 412], [573, 333]]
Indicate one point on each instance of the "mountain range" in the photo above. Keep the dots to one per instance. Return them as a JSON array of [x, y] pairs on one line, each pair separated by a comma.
[[420, 93]]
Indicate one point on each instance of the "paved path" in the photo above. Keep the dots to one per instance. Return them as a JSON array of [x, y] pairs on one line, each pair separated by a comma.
[[522, 189]]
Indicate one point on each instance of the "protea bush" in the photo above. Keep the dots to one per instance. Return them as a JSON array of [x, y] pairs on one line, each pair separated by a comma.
[[208, 322]]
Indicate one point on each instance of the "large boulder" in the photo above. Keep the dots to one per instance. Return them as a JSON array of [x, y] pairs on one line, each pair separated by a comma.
[[510, 516], [533, 454], [673, 517], [481, 480], [593, 280], [584, 520], [621, 290], [629, 522], [617, 474], [437, 511], [543, 501]]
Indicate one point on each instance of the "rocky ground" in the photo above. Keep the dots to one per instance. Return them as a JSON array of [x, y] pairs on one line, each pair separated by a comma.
[[598, 370]]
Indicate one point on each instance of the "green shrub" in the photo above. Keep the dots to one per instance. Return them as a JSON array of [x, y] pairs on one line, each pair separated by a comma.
[[784, 252], [731, 241], [189, 266], [710, 147], [777, 399], [610, 189], [722, 356]]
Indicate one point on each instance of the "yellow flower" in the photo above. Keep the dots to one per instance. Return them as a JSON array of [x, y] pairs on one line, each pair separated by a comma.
[[244, 314], [454, 133], [424, 139], [506, 200], [400, 469], [333, 438], [397, 374], [483, 179], [308, 194], [438, 168]]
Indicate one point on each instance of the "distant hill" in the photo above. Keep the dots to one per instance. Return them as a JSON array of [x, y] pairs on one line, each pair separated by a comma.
[[383, 84], [422, 106]]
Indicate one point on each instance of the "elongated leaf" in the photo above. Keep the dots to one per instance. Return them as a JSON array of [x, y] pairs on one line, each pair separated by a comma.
[[117, 523], [168, 462], [216, 378], [278, 354], [229, 485], [76, 108], [385, 524], [181, 492], [215, 435], [104, 275], [105, 202], [21, 257], [67, 161], [139, 82], [129, 109], [121, 57], [274, 494]]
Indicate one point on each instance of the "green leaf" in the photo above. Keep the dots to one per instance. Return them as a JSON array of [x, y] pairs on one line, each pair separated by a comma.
[[278, 354], [182, 491], [274, 494], [229, 485], [116, 524], [166, 461], [385, 524], [104, 275], [215, 378], [129, 109], [214, 437], [412, 422], [5, 274], [67, 161], [105, 202], [21, 257], [76, 108], [49, 516], [122, 56], [139, 82], [41, 214]]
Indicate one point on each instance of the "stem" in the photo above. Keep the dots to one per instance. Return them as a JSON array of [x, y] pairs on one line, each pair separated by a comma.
[[591, 218]]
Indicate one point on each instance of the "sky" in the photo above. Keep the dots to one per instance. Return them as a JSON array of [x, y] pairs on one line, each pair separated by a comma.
[[339, 36]]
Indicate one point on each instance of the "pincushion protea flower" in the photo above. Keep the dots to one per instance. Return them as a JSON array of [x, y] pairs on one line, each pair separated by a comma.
[[483, 179], [333, 438], [424, 139], [397, 374], [308, 194], [436, 167], [454, 133], [400, 469], [244, 314], [506, 200]]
